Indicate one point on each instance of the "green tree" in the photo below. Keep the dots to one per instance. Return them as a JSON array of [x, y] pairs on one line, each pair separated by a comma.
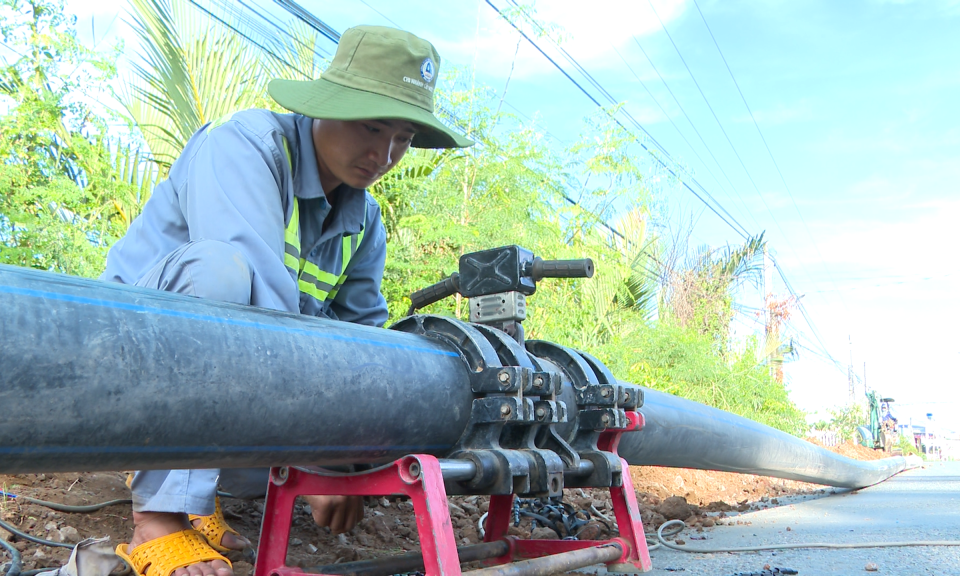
[[69, 190]]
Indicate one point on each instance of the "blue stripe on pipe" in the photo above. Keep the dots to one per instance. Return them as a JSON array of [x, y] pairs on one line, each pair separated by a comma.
[[59, 450], [213, 319]]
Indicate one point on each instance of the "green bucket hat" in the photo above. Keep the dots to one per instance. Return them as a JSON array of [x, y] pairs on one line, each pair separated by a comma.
[[377, 73]]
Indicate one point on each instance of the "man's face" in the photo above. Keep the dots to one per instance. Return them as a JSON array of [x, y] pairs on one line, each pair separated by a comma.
[[359, 152]]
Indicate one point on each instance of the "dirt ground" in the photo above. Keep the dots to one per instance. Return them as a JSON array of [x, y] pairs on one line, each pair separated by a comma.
[[701, 498]]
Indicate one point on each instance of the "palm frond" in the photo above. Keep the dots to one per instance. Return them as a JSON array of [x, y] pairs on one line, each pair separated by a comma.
[[190, 73]]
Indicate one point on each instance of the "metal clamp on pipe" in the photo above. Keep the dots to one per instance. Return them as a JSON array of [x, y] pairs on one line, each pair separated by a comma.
[[513, 440]]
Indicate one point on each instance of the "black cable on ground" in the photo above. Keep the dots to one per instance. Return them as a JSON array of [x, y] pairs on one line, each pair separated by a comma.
[[831, 545], [64, 507], [15, 563], [23, 535]]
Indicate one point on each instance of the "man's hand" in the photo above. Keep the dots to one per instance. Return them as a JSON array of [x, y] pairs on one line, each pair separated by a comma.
[[340, 513]]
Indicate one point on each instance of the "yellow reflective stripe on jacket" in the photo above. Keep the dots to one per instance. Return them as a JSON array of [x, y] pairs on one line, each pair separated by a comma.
[[311, 280], [291, 240]]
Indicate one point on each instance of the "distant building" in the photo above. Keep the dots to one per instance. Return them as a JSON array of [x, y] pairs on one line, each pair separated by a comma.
[[925, 437]]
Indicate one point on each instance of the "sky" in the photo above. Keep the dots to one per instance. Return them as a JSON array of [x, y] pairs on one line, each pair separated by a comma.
[[833, 127]]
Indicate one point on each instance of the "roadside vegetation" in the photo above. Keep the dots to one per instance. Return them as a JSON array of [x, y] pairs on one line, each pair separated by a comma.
[[658, 312]]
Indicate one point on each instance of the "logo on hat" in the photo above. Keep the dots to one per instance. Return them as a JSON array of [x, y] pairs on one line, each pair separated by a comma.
[[427, 69]]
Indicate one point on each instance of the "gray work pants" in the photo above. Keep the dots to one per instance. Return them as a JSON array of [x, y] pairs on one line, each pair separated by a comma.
[[218, 271]]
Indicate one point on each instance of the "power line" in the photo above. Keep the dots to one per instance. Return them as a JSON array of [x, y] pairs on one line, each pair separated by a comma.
[[682, 135], [666, 85], [770, 152], [746, 171], [382, 15], [802, 309], [265, 50], [597, 103], [722, 129]]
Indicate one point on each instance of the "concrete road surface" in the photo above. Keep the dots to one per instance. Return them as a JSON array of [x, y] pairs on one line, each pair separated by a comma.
[[916, 505]]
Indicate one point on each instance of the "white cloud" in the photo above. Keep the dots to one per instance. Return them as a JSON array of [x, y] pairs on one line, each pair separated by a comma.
[[589, 32]]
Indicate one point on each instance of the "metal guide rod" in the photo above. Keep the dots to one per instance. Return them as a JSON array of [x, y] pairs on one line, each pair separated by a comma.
[[460, 470], [554, 564], [409, 562], [100, 376]]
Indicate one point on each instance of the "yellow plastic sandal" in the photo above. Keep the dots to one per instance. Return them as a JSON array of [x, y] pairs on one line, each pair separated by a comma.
[[213, 528], [161, 556]]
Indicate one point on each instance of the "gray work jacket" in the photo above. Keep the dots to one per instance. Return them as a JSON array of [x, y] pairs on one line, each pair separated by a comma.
[[234, 183]]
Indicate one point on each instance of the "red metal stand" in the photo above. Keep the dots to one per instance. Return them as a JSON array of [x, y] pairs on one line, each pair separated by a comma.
[[419, 477], [635, 558]]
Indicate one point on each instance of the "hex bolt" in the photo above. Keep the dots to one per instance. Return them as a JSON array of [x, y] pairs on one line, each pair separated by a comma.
[[605, 419], [504, 377], [604, 392], [505, 410], [538, 382], [541, 412]]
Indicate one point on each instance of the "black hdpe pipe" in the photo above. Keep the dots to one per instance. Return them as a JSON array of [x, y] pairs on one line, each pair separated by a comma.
[[680, 433], [101, 376]]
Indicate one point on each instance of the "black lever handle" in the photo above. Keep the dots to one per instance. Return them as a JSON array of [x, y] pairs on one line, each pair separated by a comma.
[[582, 268], [434, 293]]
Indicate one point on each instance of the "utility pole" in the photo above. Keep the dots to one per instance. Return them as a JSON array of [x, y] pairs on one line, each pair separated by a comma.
[[864, 378], [853, 393], [767, 295]]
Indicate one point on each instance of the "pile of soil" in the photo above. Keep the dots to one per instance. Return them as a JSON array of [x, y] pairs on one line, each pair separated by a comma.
[[701, 498]]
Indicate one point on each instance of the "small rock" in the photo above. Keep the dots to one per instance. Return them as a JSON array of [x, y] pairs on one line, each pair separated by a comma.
[[708, 522], [342, 538], [297, 541], [312, 548], [365, 540], [543, 533], [871, 567], [69, 534], [50, 526], [39, 554], [677, 508], [789, 529], [679, 542], [590, 532], [384, 502], [470, 508], [454, 509], [382, 530]]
